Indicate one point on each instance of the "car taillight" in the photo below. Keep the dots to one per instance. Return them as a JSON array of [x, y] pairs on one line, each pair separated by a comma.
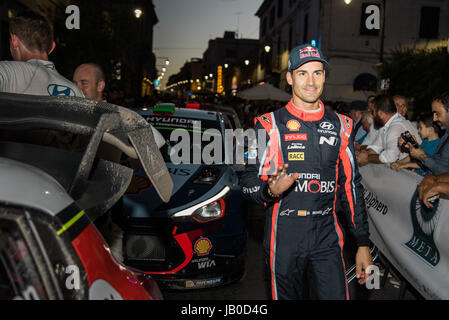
[[210, 212], [192, 105]]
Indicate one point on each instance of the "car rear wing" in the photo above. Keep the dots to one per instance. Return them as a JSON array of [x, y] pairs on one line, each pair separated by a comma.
[[118, 126]]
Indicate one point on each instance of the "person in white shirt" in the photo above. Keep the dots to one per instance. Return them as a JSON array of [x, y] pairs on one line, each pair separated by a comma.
[[401, 104], [368, 125], [31, 42], [385, 148]]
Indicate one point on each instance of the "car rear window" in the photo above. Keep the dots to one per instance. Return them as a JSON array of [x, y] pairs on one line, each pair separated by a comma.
[[203, 137]]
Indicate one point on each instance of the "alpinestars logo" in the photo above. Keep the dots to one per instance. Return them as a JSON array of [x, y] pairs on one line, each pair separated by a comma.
[[265, 118]]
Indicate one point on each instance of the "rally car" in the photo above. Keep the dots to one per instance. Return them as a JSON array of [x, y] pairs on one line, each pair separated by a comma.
[[198, 239], [49, 198]]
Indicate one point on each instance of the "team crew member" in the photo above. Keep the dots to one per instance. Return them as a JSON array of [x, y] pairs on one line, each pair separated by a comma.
[[89, 77], [31, 41], [309, 156]]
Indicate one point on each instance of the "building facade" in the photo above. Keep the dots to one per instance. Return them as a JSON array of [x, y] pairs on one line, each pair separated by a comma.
[[354, 35], [187, 79], [229, 63]]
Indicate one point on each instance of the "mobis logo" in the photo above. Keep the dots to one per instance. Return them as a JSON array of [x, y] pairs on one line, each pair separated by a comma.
[[311, 182]]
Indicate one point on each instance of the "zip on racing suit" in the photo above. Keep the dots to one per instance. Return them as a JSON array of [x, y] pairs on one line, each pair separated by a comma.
[[301, 227]]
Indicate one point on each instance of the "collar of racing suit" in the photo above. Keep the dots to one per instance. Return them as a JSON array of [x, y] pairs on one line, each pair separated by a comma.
[[305, 115]]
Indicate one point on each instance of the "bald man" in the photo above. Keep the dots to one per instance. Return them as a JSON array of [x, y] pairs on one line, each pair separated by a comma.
[[89, 77]]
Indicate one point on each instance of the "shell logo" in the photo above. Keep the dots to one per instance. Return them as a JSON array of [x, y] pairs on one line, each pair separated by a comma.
[[293, 125], [203, 246]]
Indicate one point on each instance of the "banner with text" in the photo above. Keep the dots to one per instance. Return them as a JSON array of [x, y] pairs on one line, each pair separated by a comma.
[[415, 239]]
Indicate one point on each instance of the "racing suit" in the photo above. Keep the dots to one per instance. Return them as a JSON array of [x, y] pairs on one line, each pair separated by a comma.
[[301, 226]]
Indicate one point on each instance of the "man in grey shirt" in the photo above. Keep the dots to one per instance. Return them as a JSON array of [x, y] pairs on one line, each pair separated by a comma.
[[31, 41]]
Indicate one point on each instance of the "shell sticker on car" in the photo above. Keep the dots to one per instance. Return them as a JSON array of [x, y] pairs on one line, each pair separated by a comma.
[[202, 246]]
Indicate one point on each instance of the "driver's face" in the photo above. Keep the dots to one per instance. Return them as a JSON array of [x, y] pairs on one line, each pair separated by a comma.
[[307, 82]]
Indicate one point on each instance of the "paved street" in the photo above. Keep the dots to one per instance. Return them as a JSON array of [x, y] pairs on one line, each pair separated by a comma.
[[253, 286]]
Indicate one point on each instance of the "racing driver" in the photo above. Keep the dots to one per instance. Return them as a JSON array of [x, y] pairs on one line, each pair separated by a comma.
[[308, 160]]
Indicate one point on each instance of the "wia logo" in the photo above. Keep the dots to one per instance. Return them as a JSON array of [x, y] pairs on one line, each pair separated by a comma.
[[206, 264], [424, 221]]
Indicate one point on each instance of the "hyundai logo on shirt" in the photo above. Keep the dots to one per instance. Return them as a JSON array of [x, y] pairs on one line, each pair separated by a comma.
[[59, 90], [327, 126]]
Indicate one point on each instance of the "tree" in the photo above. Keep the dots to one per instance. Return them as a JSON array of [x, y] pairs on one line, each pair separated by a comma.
[[418, 73]]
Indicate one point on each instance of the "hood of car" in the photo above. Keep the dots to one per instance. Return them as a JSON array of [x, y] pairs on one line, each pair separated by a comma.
[[191, 182]]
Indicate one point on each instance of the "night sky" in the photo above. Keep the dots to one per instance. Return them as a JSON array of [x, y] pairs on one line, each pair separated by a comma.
[[186, 26]]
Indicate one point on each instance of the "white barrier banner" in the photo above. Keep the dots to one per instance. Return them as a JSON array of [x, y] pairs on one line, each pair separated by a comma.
[[415, 239]]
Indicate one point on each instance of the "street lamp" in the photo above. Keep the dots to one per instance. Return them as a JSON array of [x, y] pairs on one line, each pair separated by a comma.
[[226, 65], [167, 62], [267, 48], [348, 1], [246, 62], [138, 13], [211, 75]]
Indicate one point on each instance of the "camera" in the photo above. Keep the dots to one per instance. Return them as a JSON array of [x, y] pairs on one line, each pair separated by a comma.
[[409, 138]]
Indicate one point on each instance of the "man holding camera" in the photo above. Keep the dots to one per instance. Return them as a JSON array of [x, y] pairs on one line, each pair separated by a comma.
[[385, 149], [439, 162]]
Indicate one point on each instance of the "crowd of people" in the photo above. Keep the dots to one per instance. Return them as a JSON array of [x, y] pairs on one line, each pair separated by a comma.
[[380, 123], [381, 132]]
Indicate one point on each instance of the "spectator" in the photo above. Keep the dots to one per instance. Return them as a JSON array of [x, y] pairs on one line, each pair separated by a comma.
[[401, 104], [356, 110], [329, 105], [89, 77], [31, 41], [439, 162], [371, 103], [428, 131], [385, 149], [342, 108], [431, 186], [368, 125]]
